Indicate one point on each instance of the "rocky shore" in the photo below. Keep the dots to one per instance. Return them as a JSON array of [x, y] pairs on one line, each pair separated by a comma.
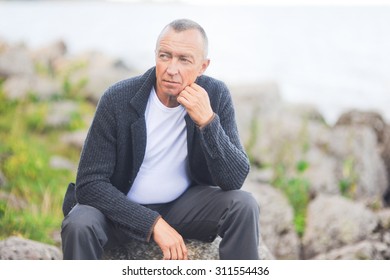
[[323, 190]]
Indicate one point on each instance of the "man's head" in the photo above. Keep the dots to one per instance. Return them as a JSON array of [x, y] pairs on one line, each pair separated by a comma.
[[181, 56]]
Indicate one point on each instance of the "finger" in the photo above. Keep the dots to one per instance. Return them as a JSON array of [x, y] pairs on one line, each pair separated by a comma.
[[180, 254], [191, 90], [174, 253], [184, 250], [196, 87], [166, 254]]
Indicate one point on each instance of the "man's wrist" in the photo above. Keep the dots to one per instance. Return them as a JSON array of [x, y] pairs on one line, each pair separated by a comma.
[[208, 121]]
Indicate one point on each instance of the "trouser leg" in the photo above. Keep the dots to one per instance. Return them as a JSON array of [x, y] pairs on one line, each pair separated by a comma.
[[85, 232], [203, 212]]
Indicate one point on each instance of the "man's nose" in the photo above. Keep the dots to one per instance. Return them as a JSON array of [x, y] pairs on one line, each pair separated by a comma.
[[172, 68]]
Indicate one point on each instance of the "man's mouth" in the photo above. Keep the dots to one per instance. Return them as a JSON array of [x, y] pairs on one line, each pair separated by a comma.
[[170, 82]]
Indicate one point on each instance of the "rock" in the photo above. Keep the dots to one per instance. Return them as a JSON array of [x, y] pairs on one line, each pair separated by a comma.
[[3, 179], [60, 113], [359, 163], [16, 248], [384, 218], [377, 123], [280, 237], [57, 162], [19, 86], [98, 70], [75, 139], [321, 172], [364, 250], [249, 102], [386, 158], [197, 250], [364, 118], [15, 60], [46, 57], [13, 201], [334, 222]]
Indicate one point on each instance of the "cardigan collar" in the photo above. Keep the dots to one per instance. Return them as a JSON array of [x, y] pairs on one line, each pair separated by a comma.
[[140, 99]]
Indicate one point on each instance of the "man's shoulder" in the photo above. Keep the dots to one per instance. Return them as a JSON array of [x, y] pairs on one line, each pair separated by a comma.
[[205, 80], [216, 89], [127, 88]]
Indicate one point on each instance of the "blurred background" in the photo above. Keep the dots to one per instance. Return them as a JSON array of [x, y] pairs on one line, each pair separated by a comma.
[[57, 58], [336, 57]]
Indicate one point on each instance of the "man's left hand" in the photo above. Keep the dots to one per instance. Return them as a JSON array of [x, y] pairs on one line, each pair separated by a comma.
[[197, 103]]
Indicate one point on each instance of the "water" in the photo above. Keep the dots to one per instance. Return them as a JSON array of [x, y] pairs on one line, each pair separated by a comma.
[[337, 58]]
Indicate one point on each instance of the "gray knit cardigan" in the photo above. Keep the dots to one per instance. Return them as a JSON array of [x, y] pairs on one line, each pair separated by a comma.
[[115, 146]]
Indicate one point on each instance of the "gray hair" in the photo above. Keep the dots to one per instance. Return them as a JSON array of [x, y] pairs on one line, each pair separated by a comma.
[[180, 25]]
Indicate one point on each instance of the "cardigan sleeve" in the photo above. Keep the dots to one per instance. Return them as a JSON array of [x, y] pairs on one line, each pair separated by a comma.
[[227, 161], [93, 185]]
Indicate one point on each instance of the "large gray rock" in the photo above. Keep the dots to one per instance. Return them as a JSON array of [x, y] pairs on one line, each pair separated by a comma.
[[359, 162], [46, 57], [250, 101], [75, 139], [334, 222], [16, 248], [365, 118], [60, 113], [276, 221], [381, 129], [15, 60], [96, 71], [19, 86], [197, 250], [364, 250]]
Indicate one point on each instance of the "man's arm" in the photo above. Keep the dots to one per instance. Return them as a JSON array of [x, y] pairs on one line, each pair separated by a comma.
[[97, 164], [227, 162]]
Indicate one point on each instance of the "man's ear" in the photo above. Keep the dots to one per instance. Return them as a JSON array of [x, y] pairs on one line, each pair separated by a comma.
[[205, 64]]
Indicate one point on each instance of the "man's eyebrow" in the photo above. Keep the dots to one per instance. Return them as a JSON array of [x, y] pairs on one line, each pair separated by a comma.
[[186, 55]]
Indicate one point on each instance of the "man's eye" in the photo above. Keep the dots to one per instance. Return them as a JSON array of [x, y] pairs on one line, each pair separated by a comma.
[[185, 60], [163, 56]]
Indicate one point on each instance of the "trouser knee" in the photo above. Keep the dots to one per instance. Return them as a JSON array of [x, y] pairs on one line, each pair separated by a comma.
[[244, 204], [83, 224]]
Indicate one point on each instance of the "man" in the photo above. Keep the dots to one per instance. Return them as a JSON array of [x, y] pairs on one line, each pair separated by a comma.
[[163, 161]]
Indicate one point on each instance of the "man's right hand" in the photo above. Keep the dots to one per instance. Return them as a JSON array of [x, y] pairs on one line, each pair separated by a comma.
[[170, 241]]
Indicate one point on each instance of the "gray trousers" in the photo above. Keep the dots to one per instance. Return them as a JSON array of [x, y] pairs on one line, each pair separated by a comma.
[[202, 212]]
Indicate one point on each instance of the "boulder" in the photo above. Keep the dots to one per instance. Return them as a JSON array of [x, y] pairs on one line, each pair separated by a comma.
[[19, 86], [381, 129], [96, 71], [359, 163], [197, 250], [75, 139], [16, 248], [249, 102], [364, 250], [280, 237], [15, 60], [58, 162], [334, 222], [60, 113], [370, 119]]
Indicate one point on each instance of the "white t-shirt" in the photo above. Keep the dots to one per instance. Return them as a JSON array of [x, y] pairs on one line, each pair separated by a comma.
[[163, 175]]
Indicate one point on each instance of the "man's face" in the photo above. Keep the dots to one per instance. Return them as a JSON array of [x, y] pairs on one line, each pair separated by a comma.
[[179, 61]]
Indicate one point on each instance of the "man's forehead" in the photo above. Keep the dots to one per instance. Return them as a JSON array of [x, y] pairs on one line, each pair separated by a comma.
[[189, 41]]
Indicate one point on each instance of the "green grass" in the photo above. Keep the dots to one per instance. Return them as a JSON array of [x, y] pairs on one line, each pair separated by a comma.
[[296, 189], [26, 147]]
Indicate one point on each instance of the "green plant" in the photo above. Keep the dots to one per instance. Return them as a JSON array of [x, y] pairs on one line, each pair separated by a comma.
[[26, 148], [348, 182], [296, 189]]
